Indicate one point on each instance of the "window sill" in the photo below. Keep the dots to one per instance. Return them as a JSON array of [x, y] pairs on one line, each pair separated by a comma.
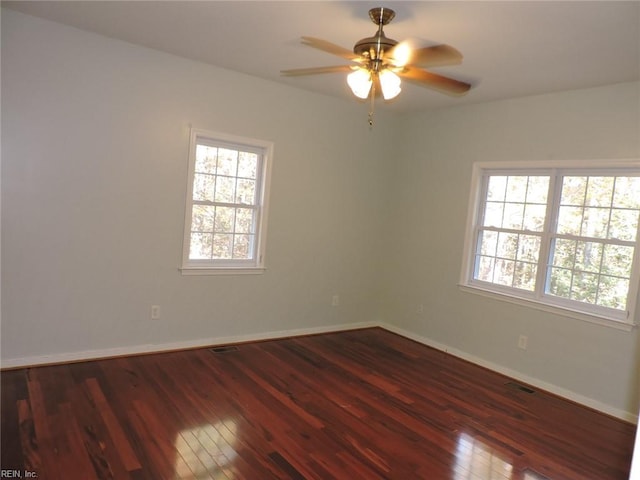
[[189, 271], [598, 320]]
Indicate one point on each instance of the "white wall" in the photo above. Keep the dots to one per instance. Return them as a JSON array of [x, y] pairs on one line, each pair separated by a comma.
[[94, 144], [432, 184]]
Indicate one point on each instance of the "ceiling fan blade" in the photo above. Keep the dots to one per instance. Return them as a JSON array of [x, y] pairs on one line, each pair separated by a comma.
[[315, 70], [433, 80], [330, 48], [438, 55]]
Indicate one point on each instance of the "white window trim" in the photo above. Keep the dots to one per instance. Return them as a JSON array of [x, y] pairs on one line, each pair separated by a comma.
[[466, 283], [229, 267]]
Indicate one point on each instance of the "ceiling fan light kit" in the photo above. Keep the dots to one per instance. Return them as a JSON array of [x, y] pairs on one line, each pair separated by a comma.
[[378, 63]]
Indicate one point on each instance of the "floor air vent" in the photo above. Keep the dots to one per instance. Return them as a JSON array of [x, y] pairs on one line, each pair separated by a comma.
[[224, 349], [522, 388]]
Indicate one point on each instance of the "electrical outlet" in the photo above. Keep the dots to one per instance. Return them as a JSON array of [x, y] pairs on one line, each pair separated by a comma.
[[335, 300], [522, 342], [155, 312], [420, 308]]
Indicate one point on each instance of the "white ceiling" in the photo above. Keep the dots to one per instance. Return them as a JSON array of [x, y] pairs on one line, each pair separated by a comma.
[[511, 49]]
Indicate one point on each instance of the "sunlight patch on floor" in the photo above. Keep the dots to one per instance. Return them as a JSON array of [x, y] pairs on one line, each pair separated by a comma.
[[477, 461], [206, 451]]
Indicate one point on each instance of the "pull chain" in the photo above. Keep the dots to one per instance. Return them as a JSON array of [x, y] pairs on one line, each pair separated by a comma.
[[372, 106]]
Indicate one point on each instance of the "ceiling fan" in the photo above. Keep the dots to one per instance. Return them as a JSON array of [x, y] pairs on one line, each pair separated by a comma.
[[379, 63]]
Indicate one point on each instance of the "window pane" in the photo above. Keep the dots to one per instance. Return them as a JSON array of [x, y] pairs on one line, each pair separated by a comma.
[[504, 270], [201, 246], [225, 189], [206, 158], [507, 245], [588, 256], [618, 260], [222, 246], [525, 276], [599, 191], [538, 190], [202, 218], [242, 246], [244, 220], [559, 282], [534, 216], [585, 287], [246, 192], [493, 214], [563, 253], [203, 187], [497, 188], [516, 189], [595, 222], [529, 248], [488, 243], [623, 225], [513, 215], [613, 292], [484, 269], [247, 165], [627, 192], [225, 219], [573, 190], [569, 220], [227, 162]]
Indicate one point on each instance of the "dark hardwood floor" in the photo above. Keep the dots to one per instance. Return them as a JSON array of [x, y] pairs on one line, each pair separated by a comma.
[[363, 404]]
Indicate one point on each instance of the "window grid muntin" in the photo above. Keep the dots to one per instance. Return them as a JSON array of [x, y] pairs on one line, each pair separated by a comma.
[[517, 259], [603, 240], [233, 237], [548, 233], [506, 197], [264, 150], [233, 232]]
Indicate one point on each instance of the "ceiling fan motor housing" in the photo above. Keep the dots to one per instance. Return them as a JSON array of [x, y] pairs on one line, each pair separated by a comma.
[[374, 47]]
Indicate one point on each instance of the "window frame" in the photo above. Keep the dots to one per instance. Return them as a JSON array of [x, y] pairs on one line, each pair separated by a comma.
[[539, 299], [264, 149]]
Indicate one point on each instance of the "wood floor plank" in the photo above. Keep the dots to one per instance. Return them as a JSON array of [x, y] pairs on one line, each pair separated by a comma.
[[129, 459], [365, 404], [375, 422], [47, 445], [76, 460], [28, 442], [201, 406], [158, 459], [99, 446], [16, 422]]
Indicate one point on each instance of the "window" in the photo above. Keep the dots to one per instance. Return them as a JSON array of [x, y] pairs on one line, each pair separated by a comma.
[[226, 211], [557, 236]]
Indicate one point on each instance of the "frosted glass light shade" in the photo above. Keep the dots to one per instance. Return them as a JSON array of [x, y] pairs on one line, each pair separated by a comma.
[[360, 83], [390, 84]]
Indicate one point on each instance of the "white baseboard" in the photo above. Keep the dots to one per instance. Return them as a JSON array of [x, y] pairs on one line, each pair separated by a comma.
[[549, 387], [206, 342], [86, 355]]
